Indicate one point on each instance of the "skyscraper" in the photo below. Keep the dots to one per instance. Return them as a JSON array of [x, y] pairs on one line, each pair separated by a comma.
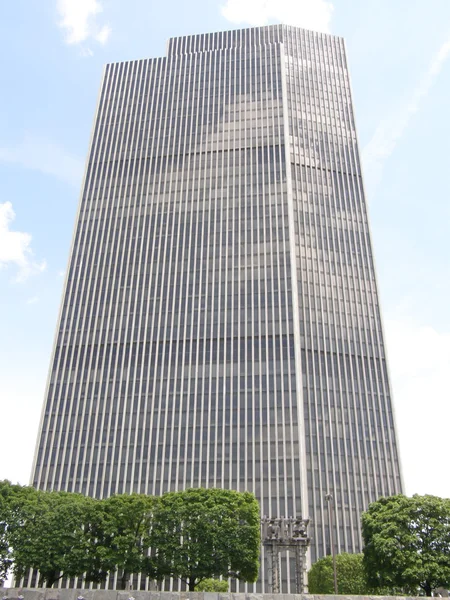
[[220, 323]]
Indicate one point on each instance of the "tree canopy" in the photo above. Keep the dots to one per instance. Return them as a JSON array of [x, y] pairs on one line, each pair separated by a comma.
[[407, 543], [351, 577], [45, 531], [204, 533], [125, 537], [192, 535], [212, 585], [6, 518]]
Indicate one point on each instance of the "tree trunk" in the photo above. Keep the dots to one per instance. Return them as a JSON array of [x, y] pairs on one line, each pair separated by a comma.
[[124, 580], [192, 582], [49, 578], [427, 589]]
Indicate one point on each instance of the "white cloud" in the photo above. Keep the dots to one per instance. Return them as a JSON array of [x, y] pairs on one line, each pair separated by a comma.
[[33, 300], [46, 156], [15, 246], [310, 14], [79, 19], [103, 35], [391, 129], [419, 358], [86, 52]]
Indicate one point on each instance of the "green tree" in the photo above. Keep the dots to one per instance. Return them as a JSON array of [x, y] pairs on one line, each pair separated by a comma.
[[13, 498], [92, 555], [212, 585], [202, 533], [351, 576], [407, 543], [124, 534], [64, 534], [6, 489], [46, 532]]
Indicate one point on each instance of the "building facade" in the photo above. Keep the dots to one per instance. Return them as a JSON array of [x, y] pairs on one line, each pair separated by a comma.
[[220, 323]]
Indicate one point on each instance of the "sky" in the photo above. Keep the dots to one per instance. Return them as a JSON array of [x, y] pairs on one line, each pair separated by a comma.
[[52, 54]]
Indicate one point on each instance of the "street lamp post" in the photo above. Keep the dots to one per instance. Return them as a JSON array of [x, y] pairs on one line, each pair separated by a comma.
[[329, 499]]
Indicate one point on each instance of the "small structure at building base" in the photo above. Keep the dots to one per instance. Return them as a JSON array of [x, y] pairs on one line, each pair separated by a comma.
[[285, 534]]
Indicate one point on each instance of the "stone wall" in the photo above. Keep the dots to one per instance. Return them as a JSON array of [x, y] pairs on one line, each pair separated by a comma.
[[60, 594]]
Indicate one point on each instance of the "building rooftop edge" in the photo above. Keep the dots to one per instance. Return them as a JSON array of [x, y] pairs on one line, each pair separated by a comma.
[[272, 26], [172, 40]]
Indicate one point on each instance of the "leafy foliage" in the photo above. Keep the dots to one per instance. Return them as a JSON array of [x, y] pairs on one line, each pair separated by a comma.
[[48, 534], [204, 533], [127, 521], [212, 585], [351, 576], [194, 535], [407, 543], [5, 520]]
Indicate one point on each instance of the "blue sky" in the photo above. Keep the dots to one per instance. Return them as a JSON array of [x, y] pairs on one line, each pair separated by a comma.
[[52, 55]]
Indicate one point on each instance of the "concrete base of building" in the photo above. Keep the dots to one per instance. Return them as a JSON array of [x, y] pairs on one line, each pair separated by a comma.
[[84, 594]]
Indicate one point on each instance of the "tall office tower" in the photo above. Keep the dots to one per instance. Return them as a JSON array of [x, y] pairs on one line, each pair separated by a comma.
[[220, 323]]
